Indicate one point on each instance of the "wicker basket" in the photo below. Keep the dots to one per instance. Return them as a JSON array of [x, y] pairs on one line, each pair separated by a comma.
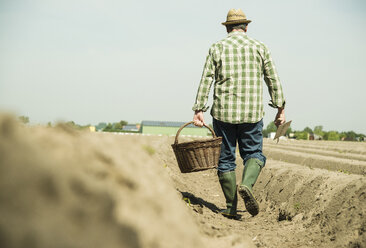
[[199, 154]]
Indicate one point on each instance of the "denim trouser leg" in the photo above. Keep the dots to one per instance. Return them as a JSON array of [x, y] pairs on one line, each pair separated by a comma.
[[250, 141], [249, 137], [227, 156]]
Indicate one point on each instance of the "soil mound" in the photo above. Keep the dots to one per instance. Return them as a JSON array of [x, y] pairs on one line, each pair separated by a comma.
[[329, 208], [65, 188]]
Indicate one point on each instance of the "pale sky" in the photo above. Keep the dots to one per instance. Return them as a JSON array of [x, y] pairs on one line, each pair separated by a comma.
[[109, 60]]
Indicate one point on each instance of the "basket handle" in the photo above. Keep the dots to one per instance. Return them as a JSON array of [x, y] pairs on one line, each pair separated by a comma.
[[188, 123]]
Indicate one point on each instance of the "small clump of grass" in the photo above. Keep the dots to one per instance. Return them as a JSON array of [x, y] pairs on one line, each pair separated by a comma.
[[187, 200], [344, 171], [297, 206], [150, 150]]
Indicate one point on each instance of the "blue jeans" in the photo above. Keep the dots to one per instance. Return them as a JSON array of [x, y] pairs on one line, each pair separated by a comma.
[[249, 137]]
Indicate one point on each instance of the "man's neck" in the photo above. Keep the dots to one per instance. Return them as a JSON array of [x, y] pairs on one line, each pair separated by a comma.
[[237, 30]]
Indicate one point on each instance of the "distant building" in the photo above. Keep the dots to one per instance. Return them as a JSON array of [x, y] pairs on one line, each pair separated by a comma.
[[271, 135], [171, 128], [91, 128], [131, 128], [313, 136]]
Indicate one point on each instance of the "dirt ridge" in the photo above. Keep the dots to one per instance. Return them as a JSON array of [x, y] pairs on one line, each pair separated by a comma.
[[316, 161], [310, 150], [334, 203], [336, 146]]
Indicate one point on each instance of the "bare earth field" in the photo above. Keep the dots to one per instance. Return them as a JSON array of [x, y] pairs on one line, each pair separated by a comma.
[[65, 188]]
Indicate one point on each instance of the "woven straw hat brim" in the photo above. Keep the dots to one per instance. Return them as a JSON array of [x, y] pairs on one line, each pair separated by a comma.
[[236, 22]]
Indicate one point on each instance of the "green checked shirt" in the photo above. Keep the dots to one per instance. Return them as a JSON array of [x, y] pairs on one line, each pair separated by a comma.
[[237, 65]]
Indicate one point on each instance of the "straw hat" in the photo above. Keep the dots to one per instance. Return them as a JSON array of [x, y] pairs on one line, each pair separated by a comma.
[[236, 16]]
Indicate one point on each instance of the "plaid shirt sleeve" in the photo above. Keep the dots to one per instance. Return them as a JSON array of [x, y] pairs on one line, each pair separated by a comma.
[[273, 82], [207, 79]]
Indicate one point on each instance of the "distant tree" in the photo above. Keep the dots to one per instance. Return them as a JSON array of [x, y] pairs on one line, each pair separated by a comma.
[[351, 136], [318, 130], [325, 136], [75, 126], [108, 128], [24, 119], [301, 135], [308, 130], [333, 135], [101, 125], [118, 126], [71, 124], [123, 123], [361, 135], [271, 127]]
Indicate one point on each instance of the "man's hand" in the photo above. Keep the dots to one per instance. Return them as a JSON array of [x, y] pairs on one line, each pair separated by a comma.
[[280, 117], [198, 118]]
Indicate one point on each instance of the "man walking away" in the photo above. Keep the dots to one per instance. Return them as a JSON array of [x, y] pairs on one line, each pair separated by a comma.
[[237, 66]]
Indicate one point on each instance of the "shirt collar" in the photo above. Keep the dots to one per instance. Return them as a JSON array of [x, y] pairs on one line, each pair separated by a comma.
[[237, 33]]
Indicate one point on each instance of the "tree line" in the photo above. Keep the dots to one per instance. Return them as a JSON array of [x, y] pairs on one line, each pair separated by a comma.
[[317, 133], [111, 127], [101, 126], [307, 133]]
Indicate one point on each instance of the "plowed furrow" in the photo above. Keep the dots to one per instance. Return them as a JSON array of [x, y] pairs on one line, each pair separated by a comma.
[[317, 161], [336, 146], [310, 150]]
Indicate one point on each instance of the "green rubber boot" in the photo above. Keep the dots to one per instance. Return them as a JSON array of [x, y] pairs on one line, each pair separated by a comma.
[[228, 185], [251, 172]]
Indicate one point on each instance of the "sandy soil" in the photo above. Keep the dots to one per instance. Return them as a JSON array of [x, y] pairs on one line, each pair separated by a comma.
[[300, 206], [64, 188]]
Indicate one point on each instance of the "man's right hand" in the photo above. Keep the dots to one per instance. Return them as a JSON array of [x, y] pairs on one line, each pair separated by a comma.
[[198, 119], [280, 117]]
